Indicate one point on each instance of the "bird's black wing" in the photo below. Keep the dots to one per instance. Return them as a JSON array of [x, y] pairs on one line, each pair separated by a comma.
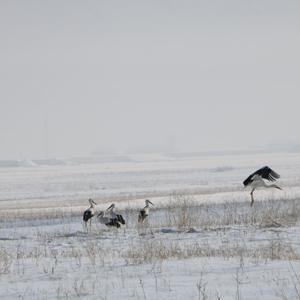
[[268, 173], [142, 215], [113, 222], [248, 180], [120, 219], [265, 172], [87, 215]]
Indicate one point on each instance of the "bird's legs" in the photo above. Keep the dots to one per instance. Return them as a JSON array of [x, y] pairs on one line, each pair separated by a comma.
[[85, 225], [252, 198], [90, 224]]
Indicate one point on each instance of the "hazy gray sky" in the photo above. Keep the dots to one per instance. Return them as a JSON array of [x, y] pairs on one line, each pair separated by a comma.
[[164, 74]]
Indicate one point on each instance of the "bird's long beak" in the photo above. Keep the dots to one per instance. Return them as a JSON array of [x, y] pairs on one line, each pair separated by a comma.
[[151, 203], [110, 207], [278, 187], [94, 202]]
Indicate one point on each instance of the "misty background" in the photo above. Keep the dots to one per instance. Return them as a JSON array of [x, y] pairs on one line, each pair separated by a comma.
[[111, 77]]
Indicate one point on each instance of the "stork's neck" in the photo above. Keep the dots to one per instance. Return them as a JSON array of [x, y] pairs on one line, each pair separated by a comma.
[[92, 205]]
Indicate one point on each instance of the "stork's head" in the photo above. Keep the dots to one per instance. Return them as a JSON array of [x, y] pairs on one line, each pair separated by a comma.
[[111, 207], [147, 201], [92, 202]]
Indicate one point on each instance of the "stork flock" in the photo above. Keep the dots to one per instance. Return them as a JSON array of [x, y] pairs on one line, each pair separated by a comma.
[[111, 219]]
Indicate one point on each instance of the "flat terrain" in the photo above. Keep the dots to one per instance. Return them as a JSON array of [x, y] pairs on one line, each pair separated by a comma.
[[202, 240]]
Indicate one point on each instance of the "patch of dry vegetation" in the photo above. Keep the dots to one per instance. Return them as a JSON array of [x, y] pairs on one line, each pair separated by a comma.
[[187, 213], [159, 250]]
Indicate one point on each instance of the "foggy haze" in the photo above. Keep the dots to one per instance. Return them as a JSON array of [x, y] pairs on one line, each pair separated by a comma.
[[79, 77]]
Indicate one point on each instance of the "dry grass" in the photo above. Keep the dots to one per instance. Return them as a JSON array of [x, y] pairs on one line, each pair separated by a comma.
[[159, 250], [270, 213], [5, 261]]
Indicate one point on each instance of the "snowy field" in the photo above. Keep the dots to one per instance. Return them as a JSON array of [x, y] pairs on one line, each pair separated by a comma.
[[203, 240]]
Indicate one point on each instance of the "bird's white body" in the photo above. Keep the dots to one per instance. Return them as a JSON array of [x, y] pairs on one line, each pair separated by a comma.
[[258, 182], [145, 211], [92, 209], [106, 216], [102, 218]]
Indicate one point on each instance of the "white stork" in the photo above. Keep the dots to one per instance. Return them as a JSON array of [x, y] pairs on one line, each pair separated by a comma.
[[89, 213], [256, 180], [145, 211], [110, 218]]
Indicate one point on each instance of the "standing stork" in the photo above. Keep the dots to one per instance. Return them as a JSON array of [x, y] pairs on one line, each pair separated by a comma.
[[89, 213], [110, 218], [145, 211], [256, 180]]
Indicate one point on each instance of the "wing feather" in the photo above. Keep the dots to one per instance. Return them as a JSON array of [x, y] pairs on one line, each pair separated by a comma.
[[265, 172]]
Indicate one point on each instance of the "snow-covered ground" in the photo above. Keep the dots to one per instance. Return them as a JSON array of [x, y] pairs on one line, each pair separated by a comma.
[[203, 240]]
